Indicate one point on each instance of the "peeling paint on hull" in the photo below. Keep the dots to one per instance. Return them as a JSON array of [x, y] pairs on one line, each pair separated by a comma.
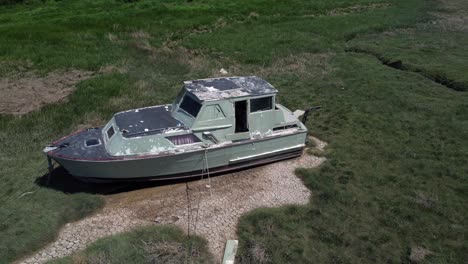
[[188, 164], [223, 123]]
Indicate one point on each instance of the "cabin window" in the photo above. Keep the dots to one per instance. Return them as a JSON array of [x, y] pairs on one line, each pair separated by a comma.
[[261, 104], [183, 139], [190, 105], [110, 132]]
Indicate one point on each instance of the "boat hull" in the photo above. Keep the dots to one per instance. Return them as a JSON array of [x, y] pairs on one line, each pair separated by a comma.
[[189, 164]]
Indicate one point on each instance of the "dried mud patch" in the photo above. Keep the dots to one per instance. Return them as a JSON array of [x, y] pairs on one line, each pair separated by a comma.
[[27, 92], [418, 254], [452, 18], [210, 207]]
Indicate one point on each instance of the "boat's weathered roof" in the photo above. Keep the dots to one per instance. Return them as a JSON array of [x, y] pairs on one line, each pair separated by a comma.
[[228, 87]]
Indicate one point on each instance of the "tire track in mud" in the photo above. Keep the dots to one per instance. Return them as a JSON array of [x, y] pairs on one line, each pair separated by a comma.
[[215, 208]]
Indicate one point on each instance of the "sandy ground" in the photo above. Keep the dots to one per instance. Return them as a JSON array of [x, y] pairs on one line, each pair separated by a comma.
[[27, 91], [215, 206]]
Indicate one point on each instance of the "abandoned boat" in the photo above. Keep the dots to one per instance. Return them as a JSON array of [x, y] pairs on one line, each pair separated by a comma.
[[218, 124]]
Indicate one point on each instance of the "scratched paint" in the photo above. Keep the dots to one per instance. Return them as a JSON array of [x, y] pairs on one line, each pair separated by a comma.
[[230, 87], [144, 133]]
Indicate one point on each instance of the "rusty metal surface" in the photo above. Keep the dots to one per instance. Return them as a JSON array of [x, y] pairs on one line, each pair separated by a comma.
[[74, 145]]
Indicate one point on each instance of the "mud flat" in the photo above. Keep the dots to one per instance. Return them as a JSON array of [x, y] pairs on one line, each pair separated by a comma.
[[27, 91], [215, 206]]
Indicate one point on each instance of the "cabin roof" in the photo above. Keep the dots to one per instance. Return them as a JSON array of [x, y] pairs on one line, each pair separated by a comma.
[[228, 87]]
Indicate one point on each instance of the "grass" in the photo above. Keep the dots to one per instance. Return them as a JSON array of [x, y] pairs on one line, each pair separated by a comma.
[[420, 52], [396, 170], [144, 245], [393, 180], [442, 59]]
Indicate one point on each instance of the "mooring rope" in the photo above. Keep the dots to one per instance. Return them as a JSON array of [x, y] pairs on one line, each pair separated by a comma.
[[208, 170], [188, 207], [205, 168]]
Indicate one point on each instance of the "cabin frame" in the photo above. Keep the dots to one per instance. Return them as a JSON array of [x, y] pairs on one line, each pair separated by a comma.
[[218, 119]]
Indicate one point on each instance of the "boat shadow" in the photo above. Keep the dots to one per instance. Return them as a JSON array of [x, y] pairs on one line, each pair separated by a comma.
[[60, 180]]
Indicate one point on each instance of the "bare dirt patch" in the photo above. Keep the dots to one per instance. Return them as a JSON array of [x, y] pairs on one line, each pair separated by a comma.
[[212, 212], [418, 254], [140, 35], [453, 17], [112, 69], [27, 91]]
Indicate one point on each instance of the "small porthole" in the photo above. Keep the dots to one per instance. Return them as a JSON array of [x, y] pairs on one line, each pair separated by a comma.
[[92, 142]]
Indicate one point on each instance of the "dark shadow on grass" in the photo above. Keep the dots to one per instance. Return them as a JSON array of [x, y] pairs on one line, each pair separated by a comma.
[[59, 179]]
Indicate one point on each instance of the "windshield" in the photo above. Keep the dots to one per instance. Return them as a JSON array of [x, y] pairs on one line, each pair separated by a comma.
[[190, 106]]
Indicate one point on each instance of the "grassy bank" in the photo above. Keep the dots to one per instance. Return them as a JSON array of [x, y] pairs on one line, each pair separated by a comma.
[[393, 181], [397, 156], [392, 190], [144, 245]]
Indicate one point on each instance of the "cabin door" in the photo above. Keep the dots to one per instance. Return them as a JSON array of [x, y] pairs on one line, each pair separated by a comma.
[[241, 116]]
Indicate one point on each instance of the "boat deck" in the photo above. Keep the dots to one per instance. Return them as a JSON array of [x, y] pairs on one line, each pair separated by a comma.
[[74, 146], [146, 121]]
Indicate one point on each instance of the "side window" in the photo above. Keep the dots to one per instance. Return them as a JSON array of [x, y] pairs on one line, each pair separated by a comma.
[[261, 104], [110, 132], [212, 112]]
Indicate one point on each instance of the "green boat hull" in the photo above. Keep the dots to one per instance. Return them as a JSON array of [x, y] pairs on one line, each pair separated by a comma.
[[189, 164], [218, 124]]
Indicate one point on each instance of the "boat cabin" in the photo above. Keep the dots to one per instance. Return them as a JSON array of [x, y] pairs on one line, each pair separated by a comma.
[[206, 113]]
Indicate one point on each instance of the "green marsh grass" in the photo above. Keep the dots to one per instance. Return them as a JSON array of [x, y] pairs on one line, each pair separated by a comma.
[[395, 137], [144, 245]]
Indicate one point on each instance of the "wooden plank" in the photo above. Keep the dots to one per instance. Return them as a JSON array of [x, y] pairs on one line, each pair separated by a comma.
[[230, 252]]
